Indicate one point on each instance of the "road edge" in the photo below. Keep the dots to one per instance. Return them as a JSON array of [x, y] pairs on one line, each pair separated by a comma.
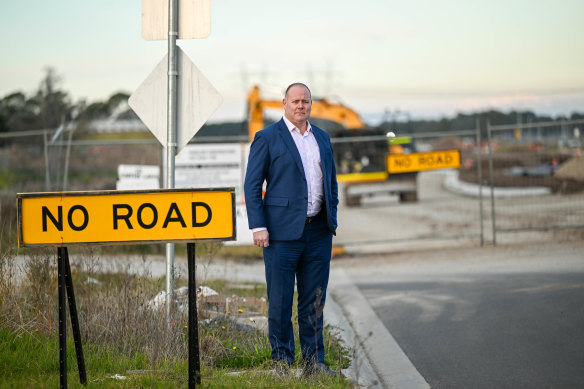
[[359, 371], [373, 344]]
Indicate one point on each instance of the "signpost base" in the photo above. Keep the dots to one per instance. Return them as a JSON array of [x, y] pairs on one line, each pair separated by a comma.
[[66, 289], [194, 360], [62, 319]]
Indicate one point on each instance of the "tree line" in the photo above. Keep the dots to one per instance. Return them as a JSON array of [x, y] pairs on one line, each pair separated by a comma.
[[50, 106], [464, 121]]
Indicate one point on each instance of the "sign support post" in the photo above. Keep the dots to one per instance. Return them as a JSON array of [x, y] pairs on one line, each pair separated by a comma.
[[171, 145], [188, 103], [74, 318], [66, 288], [194, 357], [62, 321]]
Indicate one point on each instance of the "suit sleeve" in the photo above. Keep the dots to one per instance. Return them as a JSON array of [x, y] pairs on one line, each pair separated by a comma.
[[256, 172]]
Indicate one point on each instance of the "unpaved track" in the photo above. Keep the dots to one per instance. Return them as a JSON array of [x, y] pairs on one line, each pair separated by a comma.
[[442, 219]]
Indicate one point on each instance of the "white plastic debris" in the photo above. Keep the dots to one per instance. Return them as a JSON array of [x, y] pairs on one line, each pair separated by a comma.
[[180, 298], [205, 291], [90, 280]]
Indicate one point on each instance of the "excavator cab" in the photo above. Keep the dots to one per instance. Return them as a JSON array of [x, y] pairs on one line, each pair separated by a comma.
[[359, 153]]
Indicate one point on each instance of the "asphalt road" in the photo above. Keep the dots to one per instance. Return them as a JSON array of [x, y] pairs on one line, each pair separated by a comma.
[[505, 317]]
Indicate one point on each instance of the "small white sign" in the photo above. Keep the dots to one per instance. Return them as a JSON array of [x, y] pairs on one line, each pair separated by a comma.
[[132, 177], [134, 184], [126, 171], [209, 165], [194, 19]]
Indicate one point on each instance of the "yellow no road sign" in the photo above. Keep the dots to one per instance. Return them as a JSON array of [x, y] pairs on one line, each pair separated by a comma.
[[118, 217], [415, 162]]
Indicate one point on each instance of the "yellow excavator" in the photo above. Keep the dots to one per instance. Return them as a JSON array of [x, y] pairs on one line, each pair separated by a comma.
[[360, 151], [321, 108]]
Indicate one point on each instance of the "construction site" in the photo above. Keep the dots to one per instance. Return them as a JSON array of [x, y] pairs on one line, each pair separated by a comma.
[[409, 201], [375, 165]]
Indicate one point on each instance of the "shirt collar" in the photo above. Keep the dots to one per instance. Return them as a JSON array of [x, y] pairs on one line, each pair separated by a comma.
[[291, 125]]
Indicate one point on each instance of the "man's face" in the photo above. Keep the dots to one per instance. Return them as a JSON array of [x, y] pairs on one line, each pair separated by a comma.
[[297, 105]]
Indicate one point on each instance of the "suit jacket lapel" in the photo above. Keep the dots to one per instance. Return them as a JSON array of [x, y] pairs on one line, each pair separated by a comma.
[[289, 142]]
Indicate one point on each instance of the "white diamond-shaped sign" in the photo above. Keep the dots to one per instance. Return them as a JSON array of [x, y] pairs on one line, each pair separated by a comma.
[[197, 99]]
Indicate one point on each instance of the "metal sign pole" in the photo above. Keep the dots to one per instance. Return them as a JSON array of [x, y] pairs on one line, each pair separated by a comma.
[[74, 319], [62, 320], [197, 99], [66, 292], [171, 135], [194, 358]]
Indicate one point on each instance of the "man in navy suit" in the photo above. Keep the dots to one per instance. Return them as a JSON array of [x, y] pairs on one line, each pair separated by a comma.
[[294, 223]]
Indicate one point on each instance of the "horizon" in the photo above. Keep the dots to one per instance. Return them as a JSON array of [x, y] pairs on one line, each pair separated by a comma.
[[452, 57]]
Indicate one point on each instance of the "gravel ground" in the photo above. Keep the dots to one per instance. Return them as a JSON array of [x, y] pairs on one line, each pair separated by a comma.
[[442, 218]]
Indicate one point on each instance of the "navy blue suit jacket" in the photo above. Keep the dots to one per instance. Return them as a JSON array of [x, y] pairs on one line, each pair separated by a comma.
[[274, 157]]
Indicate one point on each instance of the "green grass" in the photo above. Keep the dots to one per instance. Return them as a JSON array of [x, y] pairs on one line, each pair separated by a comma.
[[32, 360], [118, 339]]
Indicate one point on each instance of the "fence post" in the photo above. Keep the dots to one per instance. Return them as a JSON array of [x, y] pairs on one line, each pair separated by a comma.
[[492, 182], [47, 170], [480, 179], [67, 156]]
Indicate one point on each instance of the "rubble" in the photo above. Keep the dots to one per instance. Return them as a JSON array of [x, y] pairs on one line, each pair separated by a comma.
[[248, 313], [572, 169]]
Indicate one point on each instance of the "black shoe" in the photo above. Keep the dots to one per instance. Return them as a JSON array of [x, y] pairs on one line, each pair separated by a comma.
[[316, 368]]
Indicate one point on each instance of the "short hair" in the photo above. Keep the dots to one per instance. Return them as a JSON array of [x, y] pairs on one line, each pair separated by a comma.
[[298, 84]]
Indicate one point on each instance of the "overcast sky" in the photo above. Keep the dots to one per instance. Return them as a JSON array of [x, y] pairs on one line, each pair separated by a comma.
[[418, 58]]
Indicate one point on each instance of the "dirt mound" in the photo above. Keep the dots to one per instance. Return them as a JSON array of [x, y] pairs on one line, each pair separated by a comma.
[[572, 169]]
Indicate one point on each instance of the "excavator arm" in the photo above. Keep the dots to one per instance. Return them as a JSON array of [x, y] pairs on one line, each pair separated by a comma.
[[321, 108]]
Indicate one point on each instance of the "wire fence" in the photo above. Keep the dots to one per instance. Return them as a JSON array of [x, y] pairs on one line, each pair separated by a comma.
[[38, 161], [536, 176], [512, 178], [439, 212]]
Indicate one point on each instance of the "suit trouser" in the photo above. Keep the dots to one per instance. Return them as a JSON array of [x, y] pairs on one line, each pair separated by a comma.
[[308, 261]]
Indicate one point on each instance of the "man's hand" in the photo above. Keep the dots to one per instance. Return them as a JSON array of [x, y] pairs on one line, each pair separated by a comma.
[[261, 238]]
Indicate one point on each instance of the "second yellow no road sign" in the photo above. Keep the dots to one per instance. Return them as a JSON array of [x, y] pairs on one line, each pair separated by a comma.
[[415, 162]]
